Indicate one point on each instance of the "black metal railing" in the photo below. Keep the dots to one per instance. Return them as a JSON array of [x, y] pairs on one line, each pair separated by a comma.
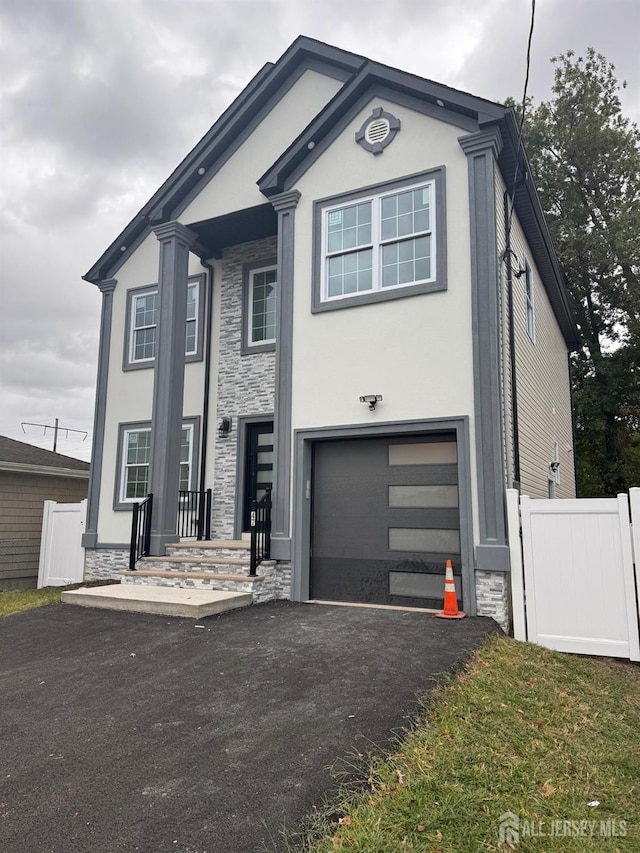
[[194, 515], [260, 531], [140, 531]]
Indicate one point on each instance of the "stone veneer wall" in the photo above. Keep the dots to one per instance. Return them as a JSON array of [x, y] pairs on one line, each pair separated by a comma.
[[245, 382], [492, 597], [105, 563]]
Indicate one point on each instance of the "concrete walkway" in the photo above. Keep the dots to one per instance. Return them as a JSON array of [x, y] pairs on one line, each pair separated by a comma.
[[129, 732]]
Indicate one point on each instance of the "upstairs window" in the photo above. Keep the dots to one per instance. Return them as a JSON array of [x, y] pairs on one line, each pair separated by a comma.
[[381, 244], [193, 297], [260, 295], [528, 285], [144, 323], [142, 314], [262, 306]]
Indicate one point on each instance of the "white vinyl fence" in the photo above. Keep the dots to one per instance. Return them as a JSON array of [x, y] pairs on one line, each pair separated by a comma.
[[573, 583], [61, 551]]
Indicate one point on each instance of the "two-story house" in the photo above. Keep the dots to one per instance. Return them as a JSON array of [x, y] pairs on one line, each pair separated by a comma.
[[346, 293]]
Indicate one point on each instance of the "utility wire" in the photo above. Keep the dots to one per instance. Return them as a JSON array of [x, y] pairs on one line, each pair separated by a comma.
[[519, 145]]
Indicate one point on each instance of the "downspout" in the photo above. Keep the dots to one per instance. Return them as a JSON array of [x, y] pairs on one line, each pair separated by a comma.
[[207, 376], [512, 344], [573, 427]]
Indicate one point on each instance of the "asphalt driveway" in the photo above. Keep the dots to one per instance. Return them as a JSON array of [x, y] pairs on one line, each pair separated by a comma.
[[125, 732]]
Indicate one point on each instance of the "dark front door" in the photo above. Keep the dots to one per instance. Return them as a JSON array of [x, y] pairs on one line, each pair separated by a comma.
[[385, 520], [258, 465]]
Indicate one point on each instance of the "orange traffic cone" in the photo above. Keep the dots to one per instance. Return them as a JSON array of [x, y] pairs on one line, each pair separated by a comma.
[[450, 600]]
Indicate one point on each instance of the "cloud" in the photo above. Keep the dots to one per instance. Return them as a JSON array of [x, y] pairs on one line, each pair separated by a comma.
[[100, 100]]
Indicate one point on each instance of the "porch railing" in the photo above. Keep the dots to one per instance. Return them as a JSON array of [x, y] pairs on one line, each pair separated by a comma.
[[194, 515], [140, 531], [260, 531]]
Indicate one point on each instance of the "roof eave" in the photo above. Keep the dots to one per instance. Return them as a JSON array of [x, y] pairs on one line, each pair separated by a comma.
[[185, 177], [273, 181], [48, 470]]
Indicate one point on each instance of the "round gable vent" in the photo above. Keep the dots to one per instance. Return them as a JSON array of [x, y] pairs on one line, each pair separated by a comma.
[[378, 131]]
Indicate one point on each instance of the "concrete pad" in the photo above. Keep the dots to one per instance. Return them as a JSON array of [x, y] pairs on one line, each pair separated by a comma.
[[162, 600]]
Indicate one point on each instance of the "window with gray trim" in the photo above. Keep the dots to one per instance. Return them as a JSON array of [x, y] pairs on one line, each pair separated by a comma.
[[134, 454], [142, 324], [381, 243], [260, 293], [262, 306], [528, 289]]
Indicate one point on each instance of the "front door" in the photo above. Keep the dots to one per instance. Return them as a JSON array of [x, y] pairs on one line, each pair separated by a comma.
[[258, 466], [385, 520]]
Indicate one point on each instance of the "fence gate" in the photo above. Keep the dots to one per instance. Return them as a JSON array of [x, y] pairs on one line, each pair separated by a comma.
[[61, 551], [579, 591]]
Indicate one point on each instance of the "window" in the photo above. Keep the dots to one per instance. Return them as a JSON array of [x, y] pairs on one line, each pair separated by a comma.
[[135, 473], [262, 306], [528, 284], [142, 323], [134, 456], [260, 292], [193, 296], [381, 244], [186, 445]]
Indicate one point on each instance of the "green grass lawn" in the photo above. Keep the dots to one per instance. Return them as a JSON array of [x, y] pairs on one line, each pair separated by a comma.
[[521, 730], [25, 599]]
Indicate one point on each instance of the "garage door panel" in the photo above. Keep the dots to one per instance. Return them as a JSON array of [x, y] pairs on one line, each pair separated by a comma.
[[374, 522], [420, 474], [374, 582]]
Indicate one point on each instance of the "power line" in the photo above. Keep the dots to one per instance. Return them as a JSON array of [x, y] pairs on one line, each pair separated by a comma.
[[56, 428], [523, 110]]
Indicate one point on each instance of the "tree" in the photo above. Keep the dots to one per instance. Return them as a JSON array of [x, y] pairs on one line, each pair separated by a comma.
[[585, 159]]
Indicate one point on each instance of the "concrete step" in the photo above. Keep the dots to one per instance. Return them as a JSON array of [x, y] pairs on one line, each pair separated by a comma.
[[193, 563], [211, 545], [161, 600], [185, 577]]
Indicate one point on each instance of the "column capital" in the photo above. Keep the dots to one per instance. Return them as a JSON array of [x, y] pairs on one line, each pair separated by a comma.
[[286, 201], [482, 140], [175, 230], [107, 286]]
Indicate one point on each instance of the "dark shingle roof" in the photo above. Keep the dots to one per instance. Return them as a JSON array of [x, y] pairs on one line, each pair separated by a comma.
[[20, 453]]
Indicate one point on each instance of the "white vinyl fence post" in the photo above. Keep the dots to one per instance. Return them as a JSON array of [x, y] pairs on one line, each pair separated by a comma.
[[45, 543], [634, 501], [629, 582], [515, 557]]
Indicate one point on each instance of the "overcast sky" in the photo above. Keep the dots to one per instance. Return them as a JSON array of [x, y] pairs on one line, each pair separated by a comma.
[[100, 100]]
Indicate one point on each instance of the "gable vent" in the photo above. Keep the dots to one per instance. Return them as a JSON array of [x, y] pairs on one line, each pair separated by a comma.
[[377, 131]]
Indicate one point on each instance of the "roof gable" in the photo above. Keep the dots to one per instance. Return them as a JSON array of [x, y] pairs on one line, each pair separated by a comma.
[[269, 83]]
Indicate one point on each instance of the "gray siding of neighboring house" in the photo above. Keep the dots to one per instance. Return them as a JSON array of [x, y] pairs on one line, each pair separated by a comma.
[[245, 382], [22, 498]]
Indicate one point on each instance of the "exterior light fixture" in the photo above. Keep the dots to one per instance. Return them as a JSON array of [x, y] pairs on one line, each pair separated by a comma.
[[372, 400], [224, 427]]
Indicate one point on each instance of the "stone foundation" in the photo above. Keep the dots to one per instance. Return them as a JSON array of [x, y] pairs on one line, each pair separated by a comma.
[[492, 597], [105, 563], [275, 583]]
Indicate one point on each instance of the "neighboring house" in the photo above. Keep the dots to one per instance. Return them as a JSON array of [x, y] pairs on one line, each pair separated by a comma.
[[339, 233], [29, 476]]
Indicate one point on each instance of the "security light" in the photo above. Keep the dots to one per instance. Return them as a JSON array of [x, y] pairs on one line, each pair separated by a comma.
[[372, 400]]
